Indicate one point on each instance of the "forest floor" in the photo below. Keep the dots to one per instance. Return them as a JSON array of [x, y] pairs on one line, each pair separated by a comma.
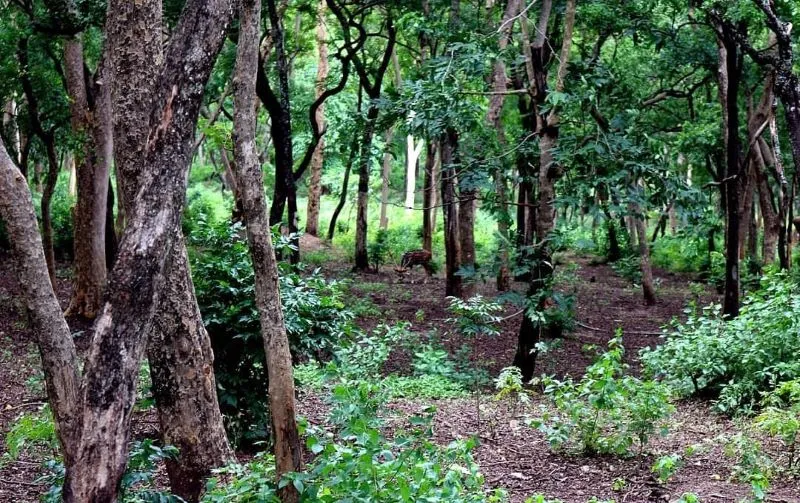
[[511, 455]]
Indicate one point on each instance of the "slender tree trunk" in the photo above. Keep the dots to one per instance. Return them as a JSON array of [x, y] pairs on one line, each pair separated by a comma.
[[450, 210], [648, 290], [92, 170], [317, 161], [47, 198], [362, 204], [494, 118], [111, 235], [413, 151], [732, 68], [288, 449], [429, 197], [386, 172], [56, 348]]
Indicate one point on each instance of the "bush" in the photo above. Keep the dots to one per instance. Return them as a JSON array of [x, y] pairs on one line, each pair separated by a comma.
[[315, 315], [356, 461], [734, 360], [606, 412]]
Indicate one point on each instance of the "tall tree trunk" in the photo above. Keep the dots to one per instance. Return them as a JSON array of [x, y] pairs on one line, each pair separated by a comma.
[[56, 347], [732, 74], [92, 168], [136, 281], [429, 196], [178, 349], [288, 450], [315, 181], [450, 210], [362, 203], [494, 118], [549, 172], [769, 211], [47, 197], [386, 172]]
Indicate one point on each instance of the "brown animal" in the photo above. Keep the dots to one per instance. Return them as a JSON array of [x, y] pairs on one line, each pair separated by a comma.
[[415, 257]]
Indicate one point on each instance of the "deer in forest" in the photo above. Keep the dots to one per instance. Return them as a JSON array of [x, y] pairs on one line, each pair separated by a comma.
[[415, 257]]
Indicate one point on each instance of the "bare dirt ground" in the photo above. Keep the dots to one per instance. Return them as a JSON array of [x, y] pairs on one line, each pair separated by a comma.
[[511, 455]]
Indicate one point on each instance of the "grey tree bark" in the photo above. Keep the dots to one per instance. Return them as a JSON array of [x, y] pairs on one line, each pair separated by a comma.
[[248, 171], [315, 181]]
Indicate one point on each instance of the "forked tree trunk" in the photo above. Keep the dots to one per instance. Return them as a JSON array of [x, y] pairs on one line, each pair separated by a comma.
[[137, 279], [450, 209], [429, 197], [315, 181], [56, 348], [549, 172], [288, 450], [92, 179], [178, 349]]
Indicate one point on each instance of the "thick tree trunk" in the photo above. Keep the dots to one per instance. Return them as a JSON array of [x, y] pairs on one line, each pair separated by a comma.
[[466, 233], [136, 281], [362, 203], [429, 197], [386, 172], [450, 210], [93, 161], [56, 348], [315, 181], [288, 449], [179, 350]]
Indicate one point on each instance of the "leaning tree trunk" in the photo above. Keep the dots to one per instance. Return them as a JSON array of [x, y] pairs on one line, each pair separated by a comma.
[[92, 174], [136, 282], [450, 209], [56, 347], [315, 181], [288, 449]]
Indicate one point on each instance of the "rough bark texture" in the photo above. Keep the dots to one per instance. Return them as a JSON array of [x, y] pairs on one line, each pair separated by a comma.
[[92, 176], [466, 233], [317, 160], [362, 201], [179, 350], [57, 351], [268, 301], [639, 223], [450, 208], [127, 316]]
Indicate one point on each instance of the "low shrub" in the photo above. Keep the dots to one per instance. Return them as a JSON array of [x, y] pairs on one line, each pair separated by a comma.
[[606, 412], [734, 361]]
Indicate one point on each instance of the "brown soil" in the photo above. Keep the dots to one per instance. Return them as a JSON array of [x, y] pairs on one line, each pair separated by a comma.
[[511, 454]]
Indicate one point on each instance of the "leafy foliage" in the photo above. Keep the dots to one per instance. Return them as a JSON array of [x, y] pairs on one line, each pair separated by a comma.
[[735, 360], [606, 412]]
